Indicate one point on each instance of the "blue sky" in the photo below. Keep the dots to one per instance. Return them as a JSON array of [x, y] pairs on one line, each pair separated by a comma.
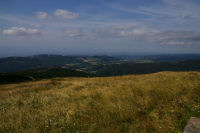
[[30, 27]]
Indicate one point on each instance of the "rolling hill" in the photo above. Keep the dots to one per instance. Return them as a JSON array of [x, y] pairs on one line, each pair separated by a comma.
[[41, 73], [13, 64], [144, 68], [154, 103], [99, 70]]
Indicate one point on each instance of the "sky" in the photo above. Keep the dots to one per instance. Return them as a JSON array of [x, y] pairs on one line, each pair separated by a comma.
[[77, 27]]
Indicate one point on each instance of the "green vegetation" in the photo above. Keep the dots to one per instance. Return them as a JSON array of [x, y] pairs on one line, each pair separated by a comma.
[[93, 64], [99, 70], [144, 68], [13, 64], [153, 103], [40, 73]]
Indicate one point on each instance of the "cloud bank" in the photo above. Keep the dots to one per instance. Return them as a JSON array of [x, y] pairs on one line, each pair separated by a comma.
[[110, 25], [60, 13], [21, 31], [41, 15], [74, 33]]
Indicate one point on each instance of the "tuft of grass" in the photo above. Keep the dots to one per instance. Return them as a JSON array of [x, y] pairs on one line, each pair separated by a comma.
[[152, 103]]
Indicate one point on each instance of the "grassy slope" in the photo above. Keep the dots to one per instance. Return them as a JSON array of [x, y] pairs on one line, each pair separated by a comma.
[[156, 103]]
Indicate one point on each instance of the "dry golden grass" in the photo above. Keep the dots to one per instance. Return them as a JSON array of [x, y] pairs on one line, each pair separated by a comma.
[[150, 103]]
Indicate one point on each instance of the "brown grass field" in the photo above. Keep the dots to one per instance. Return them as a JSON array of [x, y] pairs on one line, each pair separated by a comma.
[[150, 103]]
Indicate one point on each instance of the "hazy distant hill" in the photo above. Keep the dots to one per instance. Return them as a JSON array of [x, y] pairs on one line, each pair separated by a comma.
[[164, 57], [12, 64], [143, 68], [17, 69], [85, 63]]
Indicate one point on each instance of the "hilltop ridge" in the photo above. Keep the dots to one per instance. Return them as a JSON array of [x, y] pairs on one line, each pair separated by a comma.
[[156, 103]]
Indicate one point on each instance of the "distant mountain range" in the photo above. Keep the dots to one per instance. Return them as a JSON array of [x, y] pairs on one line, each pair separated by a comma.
[[13, 64], [17, 69], [144, 68], [85, 63], [163, 57]]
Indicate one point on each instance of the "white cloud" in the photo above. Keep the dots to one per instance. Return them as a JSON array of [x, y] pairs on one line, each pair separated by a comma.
[[21, 31], [41, 15], [141, 32], [177, 38], [130, 10], [60, 13], [124, 30], [74, 32], [174, 10]]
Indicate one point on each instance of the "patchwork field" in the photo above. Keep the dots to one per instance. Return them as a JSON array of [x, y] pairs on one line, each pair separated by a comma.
[[149, 103]]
